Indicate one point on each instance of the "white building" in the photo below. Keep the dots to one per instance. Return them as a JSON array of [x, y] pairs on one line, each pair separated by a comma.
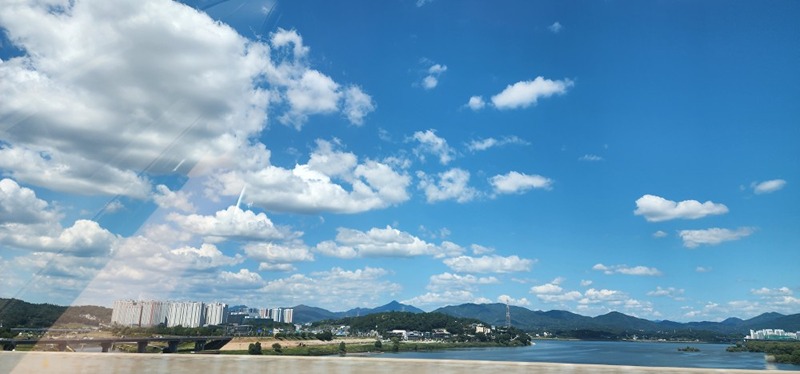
[[216, 314], [288, 315], [276, 314], [186, 314]]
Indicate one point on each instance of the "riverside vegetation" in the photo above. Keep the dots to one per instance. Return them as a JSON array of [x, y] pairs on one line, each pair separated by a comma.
[[784, 352]]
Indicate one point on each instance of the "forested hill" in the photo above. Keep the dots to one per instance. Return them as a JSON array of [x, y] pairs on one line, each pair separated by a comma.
[[18, 313], [615, 322]]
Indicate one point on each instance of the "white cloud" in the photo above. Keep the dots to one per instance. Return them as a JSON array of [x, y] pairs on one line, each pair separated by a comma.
[[712, 236], [547, 288], [659, 234], [512, 301], [20, 205], [489, 264], [336, 289], [702, 269], [451, 185], [476, 103], [526, 93], [657, 209], [233, 223], [278, 254], [769, 186], [99, 97], [559, 298], [555, 28], [242, 279], [448, 281], [515, 182], [385, 242], [313, 187], [357, 105], [449, 297], [431, 80], [589, 157], [84, 238], [421, 3], [764, 291], [484, 144], [430, 143], [586, 283], [671, 292], [627, 270], [106, 96], [480, 250], [307, 91], [167, 199]]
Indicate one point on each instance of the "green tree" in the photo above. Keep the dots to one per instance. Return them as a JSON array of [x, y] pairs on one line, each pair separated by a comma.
[[378, 344], [326, 335], [277, 347], [254, 348], [395, 344], [342, 348]]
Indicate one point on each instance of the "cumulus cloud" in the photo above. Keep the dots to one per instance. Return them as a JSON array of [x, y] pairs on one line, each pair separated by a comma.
[[89, 110], [334, 289], [484, 144], [657, 209], [430, 143], [104, 96], [449, 297], [769, 186], [555, 28], [547, 288], [512, 301], [448, 281], [318, 185], [19, 205], [382, 242], [233, 223], [702, 269], [712, 236], [671, 292], [515, 182], [307, 91], [489, 264], [431, 80], [357, 105], [275, 253], [628, 270], [659, 234], [526, 93], [476, 103], [168, 199], [451, 185]]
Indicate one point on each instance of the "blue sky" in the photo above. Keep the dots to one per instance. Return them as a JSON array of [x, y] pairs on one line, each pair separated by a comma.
[[585, 156]]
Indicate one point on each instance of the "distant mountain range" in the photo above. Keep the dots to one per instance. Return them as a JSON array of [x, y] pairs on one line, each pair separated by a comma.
[[560, 320], [305, 313]]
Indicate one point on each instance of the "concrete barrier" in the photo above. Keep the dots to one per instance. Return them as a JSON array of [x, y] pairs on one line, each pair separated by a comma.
[[64, 362]]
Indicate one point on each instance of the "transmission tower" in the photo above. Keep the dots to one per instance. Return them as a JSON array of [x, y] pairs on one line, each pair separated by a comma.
[[508, 315]]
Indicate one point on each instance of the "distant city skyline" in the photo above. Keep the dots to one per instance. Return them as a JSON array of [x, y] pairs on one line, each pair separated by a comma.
[[586, 156]]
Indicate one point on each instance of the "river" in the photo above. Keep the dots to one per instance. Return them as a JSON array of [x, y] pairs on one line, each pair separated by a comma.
[[611, 353]]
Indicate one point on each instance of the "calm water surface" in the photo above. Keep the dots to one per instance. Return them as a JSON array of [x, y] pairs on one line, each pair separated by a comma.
[[611, 353]]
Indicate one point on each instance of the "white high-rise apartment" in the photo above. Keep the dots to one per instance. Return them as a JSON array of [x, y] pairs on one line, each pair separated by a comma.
[[216, 314]]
